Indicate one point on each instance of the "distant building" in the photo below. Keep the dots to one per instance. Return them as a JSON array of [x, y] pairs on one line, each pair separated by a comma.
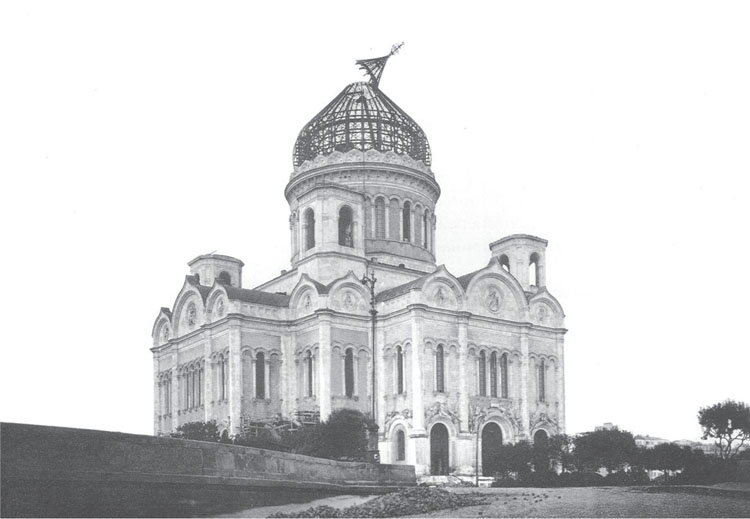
[[648, 442], [606, 427]]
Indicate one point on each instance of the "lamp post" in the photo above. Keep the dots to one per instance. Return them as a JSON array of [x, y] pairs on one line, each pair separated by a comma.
[[373, 454]]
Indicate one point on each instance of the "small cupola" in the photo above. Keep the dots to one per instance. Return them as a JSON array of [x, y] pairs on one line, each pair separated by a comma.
[[223, 269], [523, 256]]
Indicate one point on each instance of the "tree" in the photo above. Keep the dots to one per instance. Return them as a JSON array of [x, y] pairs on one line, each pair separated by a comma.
[[729, 423], [202, 431], [611, 449], [343, 436], [667, 457], [515, 458]]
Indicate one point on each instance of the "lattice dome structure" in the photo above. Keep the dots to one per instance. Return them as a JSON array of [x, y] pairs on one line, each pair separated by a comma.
[[361, 117]]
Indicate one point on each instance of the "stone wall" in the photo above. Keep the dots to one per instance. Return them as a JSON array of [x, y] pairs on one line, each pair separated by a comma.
[[54, 471]]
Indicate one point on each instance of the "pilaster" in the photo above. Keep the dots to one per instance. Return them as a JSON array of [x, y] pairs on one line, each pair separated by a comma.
[[235, 380], [174, 405], [208, 376], [287, 378], [417, 389], [158, 408], [525, 433], [463, 354], [560, 378], [324, 363], [380, 381]]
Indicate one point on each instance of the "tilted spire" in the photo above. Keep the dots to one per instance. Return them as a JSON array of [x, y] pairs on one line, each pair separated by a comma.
[[374, 66]]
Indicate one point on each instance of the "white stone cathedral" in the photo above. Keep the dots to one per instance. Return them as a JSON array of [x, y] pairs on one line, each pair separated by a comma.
[[458, 359]]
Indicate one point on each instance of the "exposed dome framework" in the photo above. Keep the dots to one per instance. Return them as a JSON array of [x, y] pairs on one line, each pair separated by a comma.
[[362, 117]]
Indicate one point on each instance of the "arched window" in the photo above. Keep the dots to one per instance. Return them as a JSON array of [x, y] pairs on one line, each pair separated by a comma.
[[193, 385], [542, 383], [200, 384], [426, 229], [225, 277], [504, 375], [309, 227], [493, 374], [440, 369], [168, 395], [346, 227], [482, 374], [260, 375], [222, 377], [349, 373], [534, 269], [505, 262], [309, 366], [185, 389], [399, 370], [380, 218], [406, 218], [400, 445]]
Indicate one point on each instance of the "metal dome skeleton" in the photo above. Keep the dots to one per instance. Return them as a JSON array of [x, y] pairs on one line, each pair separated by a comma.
[[362, 117]]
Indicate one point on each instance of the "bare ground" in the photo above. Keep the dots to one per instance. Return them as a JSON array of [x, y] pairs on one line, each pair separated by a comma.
[[599, 502]]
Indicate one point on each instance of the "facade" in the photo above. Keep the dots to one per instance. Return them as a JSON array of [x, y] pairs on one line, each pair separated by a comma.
[[458, 359]]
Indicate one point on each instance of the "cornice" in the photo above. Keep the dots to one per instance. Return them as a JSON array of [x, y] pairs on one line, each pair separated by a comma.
[[326, 175]]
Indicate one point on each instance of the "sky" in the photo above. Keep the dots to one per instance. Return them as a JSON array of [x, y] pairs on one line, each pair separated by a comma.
[[137, 135]]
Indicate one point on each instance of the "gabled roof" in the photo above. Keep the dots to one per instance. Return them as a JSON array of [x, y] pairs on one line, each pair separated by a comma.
[[399, 290], [257, 296], [466, 278], [202, 289], [167, 312]]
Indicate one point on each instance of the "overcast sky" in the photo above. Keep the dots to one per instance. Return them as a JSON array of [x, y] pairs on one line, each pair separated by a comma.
[[135, 136]]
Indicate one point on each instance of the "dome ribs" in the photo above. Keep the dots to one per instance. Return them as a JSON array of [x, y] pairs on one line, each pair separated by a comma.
[[361, 117]]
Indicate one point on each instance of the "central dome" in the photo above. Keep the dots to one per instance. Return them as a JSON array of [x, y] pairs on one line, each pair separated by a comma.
[[361, 117]]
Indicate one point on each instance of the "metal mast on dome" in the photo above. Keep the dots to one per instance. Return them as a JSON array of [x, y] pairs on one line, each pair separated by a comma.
[[374, 66]]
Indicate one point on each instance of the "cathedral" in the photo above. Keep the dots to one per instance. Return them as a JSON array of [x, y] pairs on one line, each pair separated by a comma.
[[457, 364]]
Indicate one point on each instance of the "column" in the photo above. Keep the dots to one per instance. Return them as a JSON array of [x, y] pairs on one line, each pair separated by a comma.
[[463, 354], [560, 377], [324, 363], [208, 376], [417, 389], [235, 381], [525, 384]]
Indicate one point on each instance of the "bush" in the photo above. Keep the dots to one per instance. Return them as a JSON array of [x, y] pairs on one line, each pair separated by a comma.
[[201, 431]]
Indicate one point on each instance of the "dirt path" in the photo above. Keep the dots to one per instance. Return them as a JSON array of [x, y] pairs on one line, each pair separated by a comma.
[[265, 511]]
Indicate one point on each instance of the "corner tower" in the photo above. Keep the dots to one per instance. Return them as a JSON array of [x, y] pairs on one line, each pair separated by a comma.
[[362, 188]]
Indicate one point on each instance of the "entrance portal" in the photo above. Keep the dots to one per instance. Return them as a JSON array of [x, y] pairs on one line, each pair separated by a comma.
[[540, 437], [439, 450], [492, 440]]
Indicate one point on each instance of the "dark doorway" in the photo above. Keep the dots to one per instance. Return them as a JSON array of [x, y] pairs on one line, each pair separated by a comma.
[[540, 437], [439, 448], [492, 440]]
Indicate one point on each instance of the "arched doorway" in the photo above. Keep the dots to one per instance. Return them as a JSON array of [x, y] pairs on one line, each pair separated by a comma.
[[439, 450], [540, 437], [492, 440]]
